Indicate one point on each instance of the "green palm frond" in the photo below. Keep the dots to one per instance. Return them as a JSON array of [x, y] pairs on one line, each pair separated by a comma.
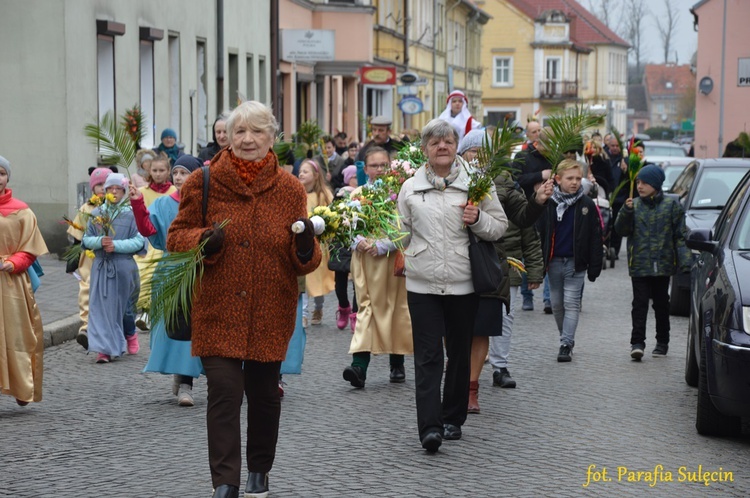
[[309, 133], [564, 132], [113, 140], [743, 140], [173, 284], [496, 151], [72, 253], [280, 147]]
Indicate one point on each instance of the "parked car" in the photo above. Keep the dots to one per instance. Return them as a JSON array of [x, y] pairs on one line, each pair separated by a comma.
[[718, 343], [655, 148], [703, 188], [672, 167]]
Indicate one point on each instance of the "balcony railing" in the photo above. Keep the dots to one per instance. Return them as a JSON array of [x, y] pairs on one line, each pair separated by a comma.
[[558, 90]]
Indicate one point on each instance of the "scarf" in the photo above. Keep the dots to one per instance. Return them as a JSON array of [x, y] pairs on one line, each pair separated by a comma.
[[160, 188], [171, 152], [248, 170], [8, 204], [564, 201], [439, 182]]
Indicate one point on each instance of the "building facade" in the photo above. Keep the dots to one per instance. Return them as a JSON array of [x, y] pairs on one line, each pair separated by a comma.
[[543, 55], [722, 73], [666, 88], [74, 61]]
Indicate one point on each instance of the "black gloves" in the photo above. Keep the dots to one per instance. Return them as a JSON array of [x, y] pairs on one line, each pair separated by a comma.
[[215, 238], [305, 239]]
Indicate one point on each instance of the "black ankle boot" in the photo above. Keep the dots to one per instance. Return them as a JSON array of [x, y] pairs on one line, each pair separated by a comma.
[[257, 485], [226, 491]]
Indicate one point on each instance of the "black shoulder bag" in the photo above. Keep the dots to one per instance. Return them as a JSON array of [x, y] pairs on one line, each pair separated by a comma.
[[181, 329], [486, 272]]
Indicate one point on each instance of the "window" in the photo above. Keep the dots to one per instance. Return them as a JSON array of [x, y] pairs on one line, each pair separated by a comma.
[[201, 85], [421, 25], [250, 77], [502, 71], [262, 96], [105, 66], [390, 14], [234, 77], [553, 72], [456, 44], [440, 27], [147, 90], [174, 84]]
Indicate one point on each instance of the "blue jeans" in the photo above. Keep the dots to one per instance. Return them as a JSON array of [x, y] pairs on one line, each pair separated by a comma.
[[545, 292], [525, 291], [565, 296]]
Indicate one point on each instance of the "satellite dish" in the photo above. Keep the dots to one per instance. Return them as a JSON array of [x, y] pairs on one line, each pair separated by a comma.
[[706, 85]]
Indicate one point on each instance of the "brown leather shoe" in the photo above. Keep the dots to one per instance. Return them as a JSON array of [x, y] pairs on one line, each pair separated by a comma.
[[473, 397]]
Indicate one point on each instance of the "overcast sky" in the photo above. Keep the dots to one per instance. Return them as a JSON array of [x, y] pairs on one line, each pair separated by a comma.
[[685, 38]]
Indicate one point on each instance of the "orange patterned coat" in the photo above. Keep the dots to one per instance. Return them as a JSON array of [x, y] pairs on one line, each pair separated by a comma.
[[245, 305]]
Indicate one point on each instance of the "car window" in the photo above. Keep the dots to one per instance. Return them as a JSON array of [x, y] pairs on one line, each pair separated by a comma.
[[714, 187], [663, 150], [725, 220], [671, 173], [742, 234], [682, 185]]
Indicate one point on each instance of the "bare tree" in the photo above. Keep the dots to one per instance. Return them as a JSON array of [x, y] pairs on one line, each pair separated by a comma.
[[606, 11], [667, 26], [634, 12]]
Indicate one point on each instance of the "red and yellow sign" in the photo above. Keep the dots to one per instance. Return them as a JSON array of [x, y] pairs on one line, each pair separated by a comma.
[[378, 75]]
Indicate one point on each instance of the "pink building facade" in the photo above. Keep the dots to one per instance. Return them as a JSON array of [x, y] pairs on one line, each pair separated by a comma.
[[326, 88], [722, 105]]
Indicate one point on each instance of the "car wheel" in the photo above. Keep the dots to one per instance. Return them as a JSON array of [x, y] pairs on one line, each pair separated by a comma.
[[679, 300], [691, 362], [709, 421]]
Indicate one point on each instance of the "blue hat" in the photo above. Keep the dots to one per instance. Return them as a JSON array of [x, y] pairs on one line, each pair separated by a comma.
[[5, 164], [187, 162], [652, 174], [168, 132]]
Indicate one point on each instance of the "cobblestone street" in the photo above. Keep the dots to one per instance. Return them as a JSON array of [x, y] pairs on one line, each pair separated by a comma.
[[109, 430]]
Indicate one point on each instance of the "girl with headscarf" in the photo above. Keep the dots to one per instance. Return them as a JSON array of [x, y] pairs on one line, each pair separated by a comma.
[[168, 356], [21, 332], [458, 115]]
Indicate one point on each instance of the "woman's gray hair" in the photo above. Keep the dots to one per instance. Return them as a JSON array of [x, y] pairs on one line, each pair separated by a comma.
[[438, 128], [255, 115]]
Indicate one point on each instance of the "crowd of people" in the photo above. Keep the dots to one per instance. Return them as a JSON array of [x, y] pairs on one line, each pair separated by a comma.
[[264, 283]]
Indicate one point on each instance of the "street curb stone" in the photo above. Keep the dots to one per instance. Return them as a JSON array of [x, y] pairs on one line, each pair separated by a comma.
[[61, 331]]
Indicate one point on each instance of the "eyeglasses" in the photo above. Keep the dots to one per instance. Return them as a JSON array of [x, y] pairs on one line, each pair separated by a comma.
[[378, 166]]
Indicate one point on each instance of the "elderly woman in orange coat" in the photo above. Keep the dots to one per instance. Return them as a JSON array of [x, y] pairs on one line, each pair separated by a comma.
[[244, 310]]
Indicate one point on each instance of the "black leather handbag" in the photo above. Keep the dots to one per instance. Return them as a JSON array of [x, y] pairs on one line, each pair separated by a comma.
[[486, 272], [181, 328]]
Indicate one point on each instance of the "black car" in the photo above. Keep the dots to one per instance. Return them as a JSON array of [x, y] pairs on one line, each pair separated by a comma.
[[718, 345], [703, 188]]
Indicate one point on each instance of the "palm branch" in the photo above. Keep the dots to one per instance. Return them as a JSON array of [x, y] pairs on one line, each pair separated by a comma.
[[618, 137], [280, 147], [173, 284], [113, 140], [72, 253], [563, 132], [496, 151]]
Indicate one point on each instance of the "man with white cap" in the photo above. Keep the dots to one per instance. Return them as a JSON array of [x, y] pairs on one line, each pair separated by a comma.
[[457, 114]]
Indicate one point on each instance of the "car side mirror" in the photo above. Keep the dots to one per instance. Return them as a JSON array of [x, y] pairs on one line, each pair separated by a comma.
[[700, 240]]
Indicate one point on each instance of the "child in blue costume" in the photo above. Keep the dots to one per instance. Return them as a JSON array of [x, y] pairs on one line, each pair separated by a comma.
[[168, 356], [114, 283]]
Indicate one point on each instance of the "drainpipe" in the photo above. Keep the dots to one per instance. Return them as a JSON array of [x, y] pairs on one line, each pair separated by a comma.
[[219, 56], [434, 55], [276, 75], [723, 74]]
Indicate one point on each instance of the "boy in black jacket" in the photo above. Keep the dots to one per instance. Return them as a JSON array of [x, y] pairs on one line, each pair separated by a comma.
[[572, 247]]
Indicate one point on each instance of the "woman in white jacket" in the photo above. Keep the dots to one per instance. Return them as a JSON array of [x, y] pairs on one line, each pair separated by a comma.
[[440, 293]]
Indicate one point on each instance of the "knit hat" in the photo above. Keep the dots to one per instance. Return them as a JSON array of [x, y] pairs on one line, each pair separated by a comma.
[[116, 180], [651, 174], [98, 177], [5, 164], [168, 132], [349, 172], [187, 162], [472, 139]]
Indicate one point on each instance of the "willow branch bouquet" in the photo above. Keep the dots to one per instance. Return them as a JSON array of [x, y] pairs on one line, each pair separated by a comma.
[[564, 132], [174, 282], [493, 159]]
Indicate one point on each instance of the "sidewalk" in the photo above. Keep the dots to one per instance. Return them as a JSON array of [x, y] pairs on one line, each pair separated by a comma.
[[57, 299]]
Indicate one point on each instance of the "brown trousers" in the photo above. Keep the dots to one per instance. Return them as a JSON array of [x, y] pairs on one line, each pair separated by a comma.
[[227, 380]]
